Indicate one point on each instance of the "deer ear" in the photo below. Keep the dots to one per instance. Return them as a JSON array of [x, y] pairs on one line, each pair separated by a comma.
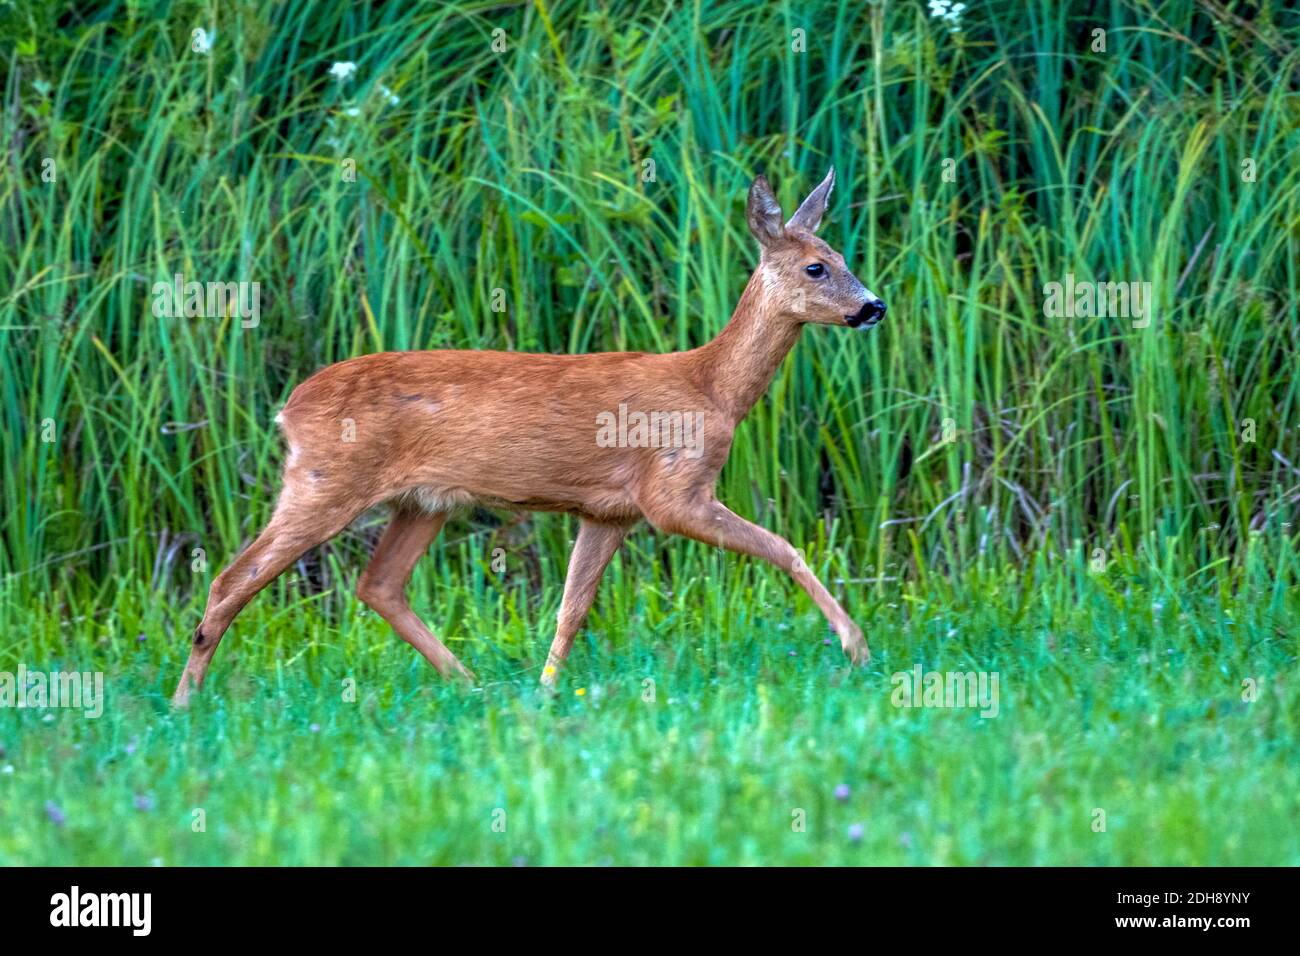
[[809, 214], [764, 213]]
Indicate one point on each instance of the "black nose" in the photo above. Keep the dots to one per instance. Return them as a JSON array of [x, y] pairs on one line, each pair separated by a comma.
[[870, 314]]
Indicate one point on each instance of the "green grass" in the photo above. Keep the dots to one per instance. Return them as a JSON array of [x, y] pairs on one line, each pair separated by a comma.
[[1106, 702], [955, 471]]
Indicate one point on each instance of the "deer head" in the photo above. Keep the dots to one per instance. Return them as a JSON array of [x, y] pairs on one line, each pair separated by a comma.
[[805, 280]]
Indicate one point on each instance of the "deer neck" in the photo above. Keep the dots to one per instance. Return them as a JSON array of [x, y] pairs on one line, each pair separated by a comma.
[[738, 365]]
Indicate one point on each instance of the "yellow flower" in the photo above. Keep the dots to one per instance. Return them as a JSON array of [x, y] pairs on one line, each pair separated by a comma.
[[581, 692]]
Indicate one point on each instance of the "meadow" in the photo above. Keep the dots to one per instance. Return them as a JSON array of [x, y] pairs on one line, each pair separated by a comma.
[[1099, 509]]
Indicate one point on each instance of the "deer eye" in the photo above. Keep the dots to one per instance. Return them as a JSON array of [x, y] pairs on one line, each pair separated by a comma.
[[816, 270]]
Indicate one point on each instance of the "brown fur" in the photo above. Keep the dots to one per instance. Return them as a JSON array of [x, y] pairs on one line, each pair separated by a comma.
[[436, 429]]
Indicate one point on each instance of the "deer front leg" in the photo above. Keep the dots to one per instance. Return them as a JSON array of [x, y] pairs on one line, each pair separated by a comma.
[[706, 519], [592, 552]]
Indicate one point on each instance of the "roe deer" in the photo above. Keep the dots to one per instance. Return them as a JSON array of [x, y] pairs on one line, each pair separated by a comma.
[[429, 431]]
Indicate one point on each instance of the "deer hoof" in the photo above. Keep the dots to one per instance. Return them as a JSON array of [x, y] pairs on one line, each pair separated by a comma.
[[464, 674], [854, 646]]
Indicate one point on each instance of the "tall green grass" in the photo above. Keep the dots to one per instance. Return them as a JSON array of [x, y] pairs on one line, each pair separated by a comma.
[[529, 171]]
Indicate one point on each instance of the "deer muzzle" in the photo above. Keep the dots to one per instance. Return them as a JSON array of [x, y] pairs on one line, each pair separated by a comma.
[[869, 315]]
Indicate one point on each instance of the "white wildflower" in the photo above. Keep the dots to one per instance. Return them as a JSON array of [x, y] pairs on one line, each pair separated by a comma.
[[201, 40], [343, 70], [949, 12]]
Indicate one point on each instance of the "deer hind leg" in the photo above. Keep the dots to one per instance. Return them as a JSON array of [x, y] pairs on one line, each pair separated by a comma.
[[706, 519], [299, 523], [383, 584], [592, 552]]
